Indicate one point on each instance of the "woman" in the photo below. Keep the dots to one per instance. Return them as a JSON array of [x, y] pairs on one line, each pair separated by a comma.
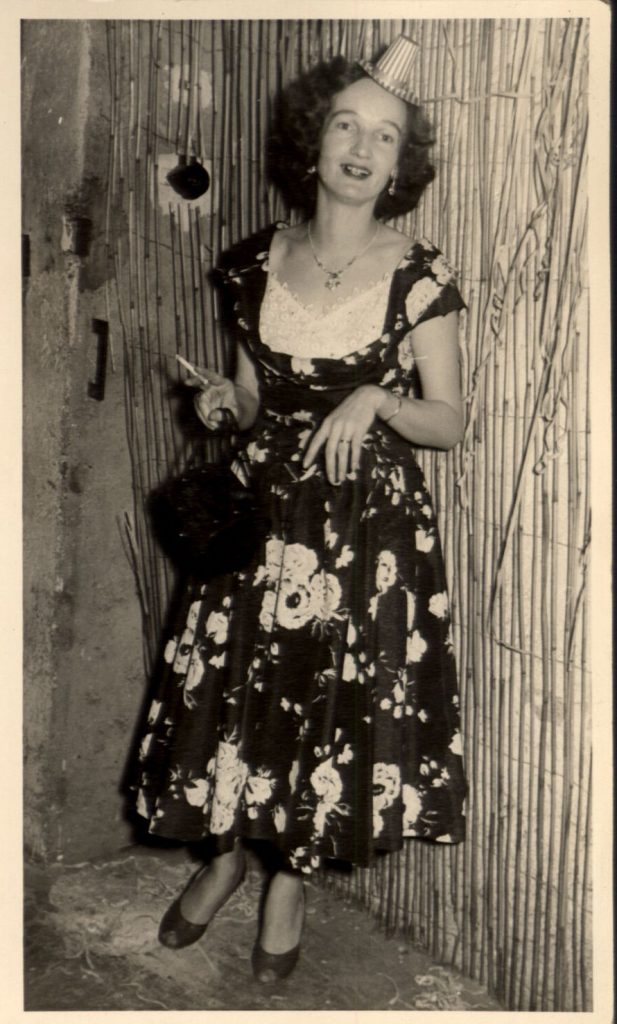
[[311, 699]]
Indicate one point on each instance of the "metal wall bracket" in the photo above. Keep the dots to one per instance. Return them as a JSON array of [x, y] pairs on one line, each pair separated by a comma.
[[96, 387]]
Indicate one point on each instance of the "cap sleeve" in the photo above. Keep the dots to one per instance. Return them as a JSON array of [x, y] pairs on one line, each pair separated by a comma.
[[240, 279], [432, 289], [249, 254]]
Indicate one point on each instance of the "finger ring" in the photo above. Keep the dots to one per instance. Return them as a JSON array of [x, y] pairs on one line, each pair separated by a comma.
[[344, 441]]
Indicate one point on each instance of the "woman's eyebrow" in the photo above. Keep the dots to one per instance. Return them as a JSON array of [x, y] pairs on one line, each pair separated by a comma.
[[393, 125], [335, 113]]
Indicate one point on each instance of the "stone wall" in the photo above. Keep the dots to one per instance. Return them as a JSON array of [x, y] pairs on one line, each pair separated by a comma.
[[83, 668]]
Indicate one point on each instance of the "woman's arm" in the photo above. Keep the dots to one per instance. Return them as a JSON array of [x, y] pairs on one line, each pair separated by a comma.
[[240, 396], [437, 419], [247, 389]]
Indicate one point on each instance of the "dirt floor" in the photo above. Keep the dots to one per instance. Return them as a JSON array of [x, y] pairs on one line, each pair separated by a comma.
[[91, 944]]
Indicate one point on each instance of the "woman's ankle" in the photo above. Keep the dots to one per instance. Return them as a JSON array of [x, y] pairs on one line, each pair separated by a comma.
[[213, 885], [283, 914]]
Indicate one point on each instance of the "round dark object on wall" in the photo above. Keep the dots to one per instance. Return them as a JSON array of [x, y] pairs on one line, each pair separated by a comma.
[[189, 180]]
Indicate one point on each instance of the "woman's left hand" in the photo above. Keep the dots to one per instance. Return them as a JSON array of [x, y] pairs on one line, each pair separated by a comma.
[[342, 432]]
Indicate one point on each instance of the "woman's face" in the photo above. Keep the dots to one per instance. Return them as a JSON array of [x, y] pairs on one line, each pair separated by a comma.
[[361, 141]]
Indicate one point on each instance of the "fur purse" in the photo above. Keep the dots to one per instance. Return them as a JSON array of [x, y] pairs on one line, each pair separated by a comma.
[[207, 520]]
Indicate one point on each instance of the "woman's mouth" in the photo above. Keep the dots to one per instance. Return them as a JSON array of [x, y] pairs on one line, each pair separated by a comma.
[[355, 171]]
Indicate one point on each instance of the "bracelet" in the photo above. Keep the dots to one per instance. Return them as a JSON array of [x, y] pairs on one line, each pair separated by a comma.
[[399, 402]]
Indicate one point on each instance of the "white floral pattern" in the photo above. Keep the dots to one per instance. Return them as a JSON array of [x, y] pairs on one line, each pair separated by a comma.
[[422, 294], [385, 575], [328, 786], [413, 808], [439, 605], [193, 677], [424, 540], [280, 818], [217, 626], [197, 793], [258, 791], [230, 774], [416, 646], [386, 788], [443, 271], [298, 592], [406, 359], [456, 745]]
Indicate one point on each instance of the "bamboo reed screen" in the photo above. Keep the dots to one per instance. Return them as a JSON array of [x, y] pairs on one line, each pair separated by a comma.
[[511, 906]]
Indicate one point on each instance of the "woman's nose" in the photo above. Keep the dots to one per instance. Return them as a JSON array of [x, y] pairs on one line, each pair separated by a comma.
[[361, 144]]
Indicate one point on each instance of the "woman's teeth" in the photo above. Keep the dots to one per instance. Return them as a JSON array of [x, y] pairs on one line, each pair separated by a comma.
[[356, 172]]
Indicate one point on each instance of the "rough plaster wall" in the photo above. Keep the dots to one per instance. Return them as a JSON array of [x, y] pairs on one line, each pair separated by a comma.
[[83, 670]]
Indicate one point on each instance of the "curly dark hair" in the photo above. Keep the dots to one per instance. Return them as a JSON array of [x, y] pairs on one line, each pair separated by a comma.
[[294, 142]]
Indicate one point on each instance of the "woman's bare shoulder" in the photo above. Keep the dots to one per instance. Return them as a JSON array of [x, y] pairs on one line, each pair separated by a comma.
[[395, 241], [394, 234], [284, 241]]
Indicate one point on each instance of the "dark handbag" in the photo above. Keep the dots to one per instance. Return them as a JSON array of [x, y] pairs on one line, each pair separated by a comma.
[[207, 520]]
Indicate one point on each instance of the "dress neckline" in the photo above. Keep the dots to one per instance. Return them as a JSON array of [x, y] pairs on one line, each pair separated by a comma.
[[405, 257], [388, 274], [310, 310]]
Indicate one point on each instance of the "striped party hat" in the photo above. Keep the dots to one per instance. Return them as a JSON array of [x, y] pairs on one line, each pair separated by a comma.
[[393, 69]]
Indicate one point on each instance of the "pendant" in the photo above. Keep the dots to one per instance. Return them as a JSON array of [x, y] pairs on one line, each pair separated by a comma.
[[333, 280]]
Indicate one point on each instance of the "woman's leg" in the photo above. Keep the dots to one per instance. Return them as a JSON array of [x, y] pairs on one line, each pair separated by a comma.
[[213, 885], [187, 918], [283, 913]]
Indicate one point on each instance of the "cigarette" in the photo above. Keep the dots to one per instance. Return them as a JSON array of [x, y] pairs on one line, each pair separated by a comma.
[[195, 372], [188, 366]]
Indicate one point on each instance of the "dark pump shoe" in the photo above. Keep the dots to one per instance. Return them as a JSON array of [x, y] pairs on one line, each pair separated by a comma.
[[176, 932], [271, 967]]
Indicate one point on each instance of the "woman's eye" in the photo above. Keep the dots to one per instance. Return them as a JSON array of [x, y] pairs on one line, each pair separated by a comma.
[[386, 137]]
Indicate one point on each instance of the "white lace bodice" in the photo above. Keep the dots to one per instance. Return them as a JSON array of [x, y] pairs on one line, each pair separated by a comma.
[[286, 325]]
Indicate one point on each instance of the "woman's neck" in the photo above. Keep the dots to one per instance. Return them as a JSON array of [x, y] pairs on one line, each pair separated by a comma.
[[336, 227]]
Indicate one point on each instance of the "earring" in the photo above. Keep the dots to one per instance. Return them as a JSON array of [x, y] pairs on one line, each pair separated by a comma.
[[311, 169], [392, 185]]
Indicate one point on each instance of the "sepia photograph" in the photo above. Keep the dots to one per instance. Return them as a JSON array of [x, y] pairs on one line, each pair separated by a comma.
[[315, 349]]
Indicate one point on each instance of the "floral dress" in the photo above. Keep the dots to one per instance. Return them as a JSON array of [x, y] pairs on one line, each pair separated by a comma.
[[310, 699]]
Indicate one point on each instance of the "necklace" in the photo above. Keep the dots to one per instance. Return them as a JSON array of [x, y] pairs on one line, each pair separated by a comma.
[[335, 275]]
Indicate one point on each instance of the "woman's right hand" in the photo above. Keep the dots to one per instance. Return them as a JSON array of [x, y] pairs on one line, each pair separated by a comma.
[[215, 393]]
